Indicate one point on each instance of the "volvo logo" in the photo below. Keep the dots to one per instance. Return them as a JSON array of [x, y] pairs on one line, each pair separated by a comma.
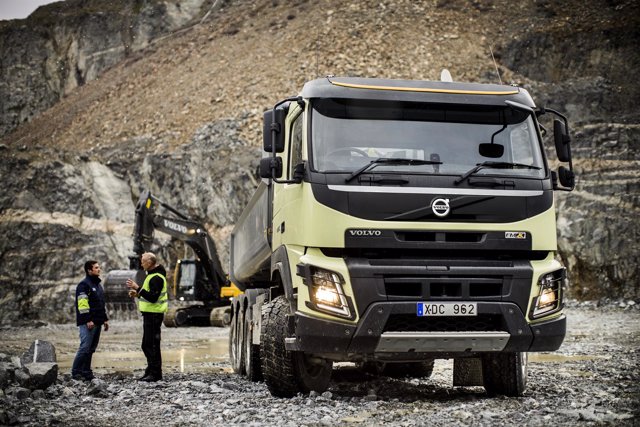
[[362, 233], [441, 207]]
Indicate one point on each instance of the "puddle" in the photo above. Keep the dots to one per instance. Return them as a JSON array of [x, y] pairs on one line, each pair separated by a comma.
[[196, 356], [561, 358]]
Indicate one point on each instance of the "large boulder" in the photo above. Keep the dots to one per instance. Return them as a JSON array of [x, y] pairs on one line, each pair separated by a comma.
[[40, 351], [39, 375]]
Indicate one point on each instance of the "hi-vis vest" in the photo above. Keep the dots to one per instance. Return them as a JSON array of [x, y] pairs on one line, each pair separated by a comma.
[[159, 306]]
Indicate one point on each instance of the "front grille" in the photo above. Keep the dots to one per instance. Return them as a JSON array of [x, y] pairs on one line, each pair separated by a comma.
[[432, 236], [413, 323], [456, 287]]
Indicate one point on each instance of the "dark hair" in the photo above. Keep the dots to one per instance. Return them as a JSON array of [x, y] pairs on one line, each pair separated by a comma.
[[89, 265]]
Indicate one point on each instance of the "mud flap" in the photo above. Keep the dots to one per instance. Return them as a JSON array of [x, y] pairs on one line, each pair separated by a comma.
[[467, 372]]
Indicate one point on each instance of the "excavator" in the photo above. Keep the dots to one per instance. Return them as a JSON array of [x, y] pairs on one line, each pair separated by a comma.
[[201, 290]]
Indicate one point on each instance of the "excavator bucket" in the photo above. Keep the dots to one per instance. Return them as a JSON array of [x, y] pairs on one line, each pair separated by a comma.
[[116, 292]]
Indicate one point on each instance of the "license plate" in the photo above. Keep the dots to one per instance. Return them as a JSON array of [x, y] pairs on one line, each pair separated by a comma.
[[447, 309]]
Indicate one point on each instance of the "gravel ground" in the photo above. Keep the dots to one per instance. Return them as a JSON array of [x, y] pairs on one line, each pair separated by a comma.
[[592, 380]]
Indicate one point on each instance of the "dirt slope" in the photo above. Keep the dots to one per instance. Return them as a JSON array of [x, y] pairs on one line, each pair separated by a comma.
[[249, 53]]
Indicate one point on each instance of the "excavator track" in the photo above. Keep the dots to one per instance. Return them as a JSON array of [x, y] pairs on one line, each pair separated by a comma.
[[175, 317], [220, 317]]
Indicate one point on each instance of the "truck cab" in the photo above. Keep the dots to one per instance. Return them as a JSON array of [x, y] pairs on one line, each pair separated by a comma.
[[399, 222]]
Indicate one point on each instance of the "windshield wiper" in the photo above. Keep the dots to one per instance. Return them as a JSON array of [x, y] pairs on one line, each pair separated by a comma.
[[491, 164], [389, 161]]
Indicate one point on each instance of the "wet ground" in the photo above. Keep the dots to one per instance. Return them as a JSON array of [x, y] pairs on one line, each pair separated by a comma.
[[592, 380], [187, 350]]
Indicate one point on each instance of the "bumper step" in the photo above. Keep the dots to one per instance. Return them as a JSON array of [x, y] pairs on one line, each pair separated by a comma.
[[392, 342]]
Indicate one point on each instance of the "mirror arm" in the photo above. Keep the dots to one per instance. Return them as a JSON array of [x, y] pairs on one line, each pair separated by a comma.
[[566, 126], [275, 128], [559, 114]]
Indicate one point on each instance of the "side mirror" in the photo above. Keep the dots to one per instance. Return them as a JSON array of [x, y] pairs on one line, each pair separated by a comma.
[[269, 163], [561, 138], [491, 150], [567, 177], [273, 122]]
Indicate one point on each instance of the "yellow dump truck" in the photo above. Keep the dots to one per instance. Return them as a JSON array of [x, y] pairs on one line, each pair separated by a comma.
[[399, 222]]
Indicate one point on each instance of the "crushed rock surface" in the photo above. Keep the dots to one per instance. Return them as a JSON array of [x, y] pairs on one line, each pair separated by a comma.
[[592, 380]]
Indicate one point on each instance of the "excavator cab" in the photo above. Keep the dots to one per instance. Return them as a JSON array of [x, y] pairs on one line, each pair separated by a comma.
[[189, 281]]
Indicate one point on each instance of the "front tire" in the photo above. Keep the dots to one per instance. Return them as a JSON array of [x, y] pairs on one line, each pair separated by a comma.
[[287, 373], [505, 373]]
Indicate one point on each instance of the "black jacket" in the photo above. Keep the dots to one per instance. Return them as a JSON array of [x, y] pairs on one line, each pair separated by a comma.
[[91, 288], [155, 285]]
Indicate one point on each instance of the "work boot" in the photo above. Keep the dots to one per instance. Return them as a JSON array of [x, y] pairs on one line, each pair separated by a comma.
[[150, 378]]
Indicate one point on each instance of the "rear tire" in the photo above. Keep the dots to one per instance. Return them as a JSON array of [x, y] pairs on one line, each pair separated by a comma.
[[286, 372], [505, 373]]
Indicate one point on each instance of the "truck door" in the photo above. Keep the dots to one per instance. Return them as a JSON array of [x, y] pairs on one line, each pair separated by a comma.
[[286, 196]]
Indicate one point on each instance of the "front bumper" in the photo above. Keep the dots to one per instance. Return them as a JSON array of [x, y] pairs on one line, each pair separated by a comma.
[[392, 328]]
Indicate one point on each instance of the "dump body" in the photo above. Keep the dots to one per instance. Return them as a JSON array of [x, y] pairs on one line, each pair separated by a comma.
[[250, 241], [405, 221]]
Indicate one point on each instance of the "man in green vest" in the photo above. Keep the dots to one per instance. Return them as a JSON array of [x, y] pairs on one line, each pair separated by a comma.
[[153, 303]]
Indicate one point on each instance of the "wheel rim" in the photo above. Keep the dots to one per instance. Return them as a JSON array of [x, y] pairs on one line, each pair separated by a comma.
[[233, 349], [247, 350]]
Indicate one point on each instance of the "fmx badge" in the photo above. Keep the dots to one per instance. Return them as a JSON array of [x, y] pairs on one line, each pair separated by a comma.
[[515, 235], [440, 207]]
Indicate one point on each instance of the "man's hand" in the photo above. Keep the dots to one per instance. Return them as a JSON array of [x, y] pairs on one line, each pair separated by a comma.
[[106, 326], [132, 285], [90, 324], [133, 294]]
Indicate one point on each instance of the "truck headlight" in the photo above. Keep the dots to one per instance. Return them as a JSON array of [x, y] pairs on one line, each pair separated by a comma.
[[549, 299], [326, 291]]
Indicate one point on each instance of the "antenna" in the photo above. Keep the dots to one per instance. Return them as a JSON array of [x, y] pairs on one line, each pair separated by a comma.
[[495, 64], [316, 51]]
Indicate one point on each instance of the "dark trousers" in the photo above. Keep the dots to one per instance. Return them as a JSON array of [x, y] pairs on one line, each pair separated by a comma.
[[89, 339], [151, 323]]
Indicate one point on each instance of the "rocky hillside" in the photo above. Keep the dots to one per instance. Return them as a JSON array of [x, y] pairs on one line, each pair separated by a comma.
[[64, 45], [181, 113]]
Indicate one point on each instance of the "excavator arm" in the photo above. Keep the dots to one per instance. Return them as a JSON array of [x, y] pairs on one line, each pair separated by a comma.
[[207, 281], [182, 228]]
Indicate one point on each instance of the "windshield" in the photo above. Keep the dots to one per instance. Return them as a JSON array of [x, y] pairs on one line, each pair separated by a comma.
[[348, 134]]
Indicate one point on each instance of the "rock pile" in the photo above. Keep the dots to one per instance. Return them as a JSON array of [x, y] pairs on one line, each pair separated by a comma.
[[36, 370]]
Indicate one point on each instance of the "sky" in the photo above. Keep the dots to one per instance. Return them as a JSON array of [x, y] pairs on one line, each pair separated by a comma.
[[19, 9]]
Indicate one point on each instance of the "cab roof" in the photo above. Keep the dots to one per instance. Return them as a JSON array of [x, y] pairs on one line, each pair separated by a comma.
[[416, 91]]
